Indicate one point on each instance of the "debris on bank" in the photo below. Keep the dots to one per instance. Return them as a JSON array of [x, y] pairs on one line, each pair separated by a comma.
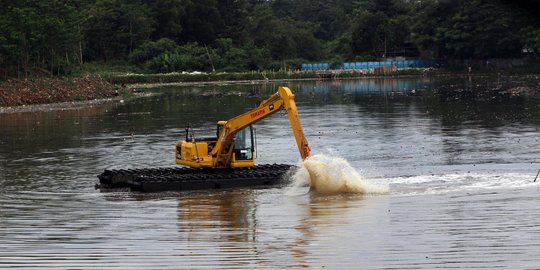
[[17, 92]]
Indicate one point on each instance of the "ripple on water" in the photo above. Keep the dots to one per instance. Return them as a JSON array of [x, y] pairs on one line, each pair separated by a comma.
[[459, 176]]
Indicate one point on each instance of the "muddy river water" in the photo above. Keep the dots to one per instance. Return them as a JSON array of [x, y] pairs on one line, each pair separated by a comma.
[[459, 165]]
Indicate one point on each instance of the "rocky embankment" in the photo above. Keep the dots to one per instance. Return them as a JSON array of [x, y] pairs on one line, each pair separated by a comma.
[[52, 90]]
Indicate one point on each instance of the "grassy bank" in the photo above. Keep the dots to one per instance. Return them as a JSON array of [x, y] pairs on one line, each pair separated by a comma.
[[204, 77], [237, 76], [122, 73], [17, 92]]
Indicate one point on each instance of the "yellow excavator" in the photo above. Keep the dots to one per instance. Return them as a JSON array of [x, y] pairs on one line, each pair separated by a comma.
[[226, 160], [234, 146]]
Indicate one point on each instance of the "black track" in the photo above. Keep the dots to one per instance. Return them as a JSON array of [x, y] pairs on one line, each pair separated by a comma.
[[182, 178]]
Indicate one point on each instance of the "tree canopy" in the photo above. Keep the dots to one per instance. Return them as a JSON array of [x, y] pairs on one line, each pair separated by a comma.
[[58, 36]]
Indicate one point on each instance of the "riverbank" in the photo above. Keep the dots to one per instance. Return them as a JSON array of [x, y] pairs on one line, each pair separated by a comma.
[[65, 92], [243, 77], [17, 92], [25, 92]]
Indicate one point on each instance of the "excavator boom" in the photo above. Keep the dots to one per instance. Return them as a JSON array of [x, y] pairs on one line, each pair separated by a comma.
[[292, 112]]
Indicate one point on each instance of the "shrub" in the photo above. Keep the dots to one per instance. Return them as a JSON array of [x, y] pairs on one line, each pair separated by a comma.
[[189, 57], [151, 49]]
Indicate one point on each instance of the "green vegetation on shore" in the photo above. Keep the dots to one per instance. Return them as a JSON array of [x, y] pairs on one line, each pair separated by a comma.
[[44, 38]]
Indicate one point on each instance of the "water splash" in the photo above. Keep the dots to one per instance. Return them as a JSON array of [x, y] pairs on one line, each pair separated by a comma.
[[330, 175]]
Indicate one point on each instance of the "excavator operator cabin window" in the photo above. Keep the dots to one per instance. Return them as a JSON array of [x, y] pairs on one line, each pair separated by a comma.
[[243, 144]]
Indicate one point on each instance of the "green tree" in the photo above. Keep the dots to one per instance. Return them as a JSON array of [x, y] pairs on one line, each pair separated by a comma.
[[167, 15], [469, 29], [480, 29], [116, 28], [284, 38], [369, 33], [248, 57], [379, 27], [189, 57], [390, 8], [430, 17], [327, 19], [152, 49], [202, 22], [234, 14], [41, 36]]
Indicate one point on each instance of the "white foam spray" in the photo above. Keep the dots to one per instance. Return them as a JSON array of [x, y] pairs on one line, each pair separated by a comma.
[[329, 175]]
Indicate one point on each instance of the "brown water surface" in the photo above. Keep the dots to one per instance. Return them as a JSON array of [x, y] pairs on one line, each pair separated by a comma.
[[459, 165]]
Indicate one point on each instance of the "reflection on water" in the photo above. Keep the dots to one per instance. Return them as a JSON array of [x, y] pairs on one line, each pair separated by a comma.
[[459, 163], [214, 211], [374, 85]]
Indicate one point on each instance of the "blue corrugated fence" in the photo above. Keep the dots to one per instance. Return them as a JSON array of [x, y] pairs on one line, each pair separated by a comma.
[[419, 63]]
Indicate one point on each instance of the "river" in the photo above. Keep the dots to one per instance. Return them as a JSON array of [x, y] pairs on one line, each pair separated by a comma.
[[459, 165]]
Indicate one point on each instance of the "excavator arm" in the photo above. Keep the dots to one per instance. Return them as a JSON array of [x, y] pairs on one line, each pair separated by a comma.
[[284, 98]]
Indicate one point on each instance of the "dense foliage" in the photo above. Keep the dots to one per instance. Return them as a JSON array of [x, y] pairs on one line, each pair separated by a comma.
[[39, 37]]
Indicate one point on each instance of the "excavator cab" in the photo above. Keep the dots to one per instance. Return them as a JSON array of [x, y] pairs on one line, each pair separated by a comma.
[[196, 151], [244, 144]]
